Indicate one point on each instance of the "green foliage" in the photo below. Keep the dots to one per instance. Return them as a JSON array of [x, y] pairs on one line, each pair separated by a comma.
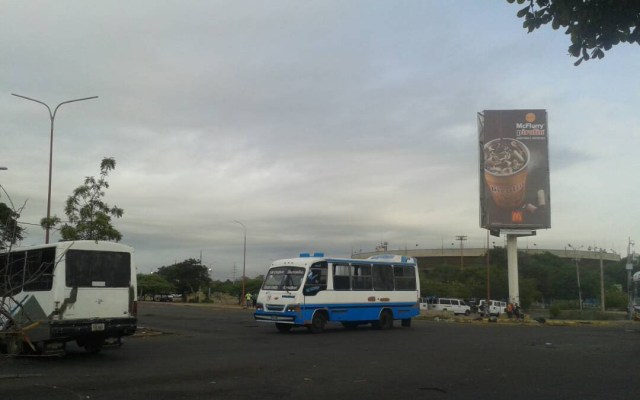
[[188, 276], [10, 231], [594, 26], [614, 298], [89, 217], [152, 284], [543, 278]]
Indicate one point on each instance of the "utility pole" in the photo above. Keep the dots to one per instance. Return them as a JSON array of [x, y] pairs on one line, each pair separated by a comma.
[[601, 283], [461, 238], [629, 270]]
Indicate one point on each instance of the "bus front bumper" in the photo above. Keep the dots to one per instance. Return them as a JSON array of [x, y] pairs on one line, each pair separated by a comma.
[[279, 317]]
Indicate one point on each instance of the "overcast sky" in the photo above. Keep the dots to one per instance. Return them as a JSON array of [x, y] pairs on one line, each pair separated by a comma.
[[320, 125]]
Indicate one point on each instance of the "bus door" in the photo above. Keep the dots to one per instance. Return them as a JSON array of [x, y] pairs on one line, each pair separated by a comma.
[[316, 279]]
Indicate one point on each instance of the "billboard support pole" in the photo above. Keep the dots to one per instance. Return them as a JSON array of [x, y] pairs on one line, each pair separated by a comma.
[[512, 262]]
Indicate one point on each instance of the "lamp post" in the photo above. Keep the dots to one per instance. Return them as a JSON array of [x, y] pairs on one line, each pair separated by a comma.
[[52, 117], [244, 261]]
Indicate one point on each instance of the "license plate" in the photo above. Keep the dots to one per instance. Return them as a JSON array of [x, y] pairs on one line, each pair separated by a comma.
[[97, 327]]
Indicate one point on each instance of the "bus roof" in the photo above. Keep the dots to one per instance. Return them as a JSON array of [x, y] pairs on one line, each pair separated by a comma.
[[75, 244], [384, 258]]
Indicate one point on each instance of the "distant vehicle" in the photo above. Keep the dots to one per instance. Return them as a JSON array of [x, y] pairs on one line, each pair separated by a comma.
[[83, 291], [456, 306], [313, 290], [496, 308], [163, 297], [473, 303]]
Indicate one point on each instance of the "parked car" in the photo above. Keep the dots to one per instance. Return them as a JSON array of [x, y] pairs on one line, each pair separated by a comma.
[[163, 297], [495, 307], [457, 306]]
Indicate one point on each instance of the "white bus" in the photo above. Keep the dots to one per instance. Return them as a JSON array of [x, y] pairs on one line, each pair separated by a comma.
[[83, 291], [313, 290]]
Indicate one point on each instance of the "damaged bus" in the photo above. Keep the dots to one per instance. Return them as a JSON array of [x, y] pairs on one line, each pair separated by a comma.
[[82, 291], [312, 290]]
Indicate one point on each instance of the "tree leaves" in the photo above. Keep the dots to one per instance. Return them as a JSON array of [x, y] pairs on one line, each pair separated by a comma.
[[89, 217], [594, 26]]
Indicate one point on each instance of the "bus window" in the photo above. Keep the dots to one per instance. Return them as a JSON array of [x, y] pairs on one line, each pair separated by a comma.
[[316, 280], [341, 277], [382, 277], [98, 268], [361, 277], [13, 272], [405, 277], [39, 270], [283, 278]]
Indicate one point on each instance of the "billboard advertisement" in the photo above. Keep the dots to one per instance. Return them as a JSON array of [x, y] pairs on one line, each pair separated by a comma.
[[514, 169]]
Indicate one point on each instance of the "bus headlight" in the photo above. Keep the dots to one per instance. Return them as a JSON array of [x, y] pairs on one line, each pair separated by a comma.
[[259, 307], [293, 307]]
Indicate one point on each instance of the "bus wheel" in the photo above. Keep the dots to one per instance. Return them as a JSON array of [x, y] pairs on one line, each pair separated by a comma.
[[385, 321], [283, 328], [318, 322], [93, 345], [406, 322]]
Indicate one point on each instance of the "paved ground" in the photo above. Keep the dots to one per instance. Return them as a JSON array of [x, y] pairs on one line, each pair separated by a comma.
[[221, 353]]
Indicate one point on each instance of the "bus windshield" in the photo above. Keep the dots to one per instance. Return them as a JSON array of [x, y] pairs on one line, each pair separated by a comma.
[[284, 278]]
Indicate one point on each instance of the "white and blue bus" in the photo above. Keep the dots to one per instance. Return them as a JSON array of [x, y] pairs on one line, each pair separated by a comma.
[[82, 291], [312, 290]]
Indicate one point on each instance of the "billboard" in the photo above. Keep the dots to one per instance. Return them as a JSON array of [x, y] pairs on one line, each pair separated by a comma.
[[514, 169]]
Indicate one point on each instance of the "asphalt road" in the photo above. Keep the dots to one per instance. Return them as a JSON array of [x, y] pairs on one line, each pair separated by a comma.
[[221, 353]]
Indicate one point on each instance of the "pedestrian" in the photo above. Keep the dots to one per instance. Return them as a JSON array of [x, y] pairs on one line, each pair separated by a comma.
[[249, 300], [510, 310], [518, 313]]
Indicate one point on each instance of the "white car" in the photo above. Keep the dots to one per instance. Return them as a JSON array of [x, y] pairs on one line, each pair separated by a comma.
[[457, 306], [495, 307]]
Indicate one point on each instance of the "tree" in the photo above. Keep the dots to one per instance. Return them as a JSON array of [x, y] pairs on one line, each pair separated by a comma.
[[10, 231], [152, 284], [187, 276], [594, 26], [89, 217]]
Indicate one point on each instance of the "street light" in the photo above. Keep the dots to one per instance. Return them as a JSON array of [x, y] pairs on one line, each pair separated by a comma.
[[52, 117], [244, 261]]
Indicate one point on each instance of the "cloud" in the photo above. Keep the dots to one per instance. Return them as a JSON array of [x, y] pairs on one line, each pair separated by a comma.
[[321, 126]]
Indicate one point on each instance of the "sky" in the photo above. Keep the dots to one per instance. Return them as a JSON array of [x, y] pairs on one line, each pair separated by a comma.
[[321, 126]]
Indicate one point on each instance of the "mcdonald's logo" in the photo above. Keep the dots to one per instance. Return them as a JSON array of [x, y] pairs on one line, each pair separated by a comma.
[[516, 217]]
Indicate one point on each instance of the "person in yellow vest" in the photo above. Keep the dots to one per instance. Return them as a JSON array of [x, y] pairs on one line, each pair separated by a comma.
[[249, 302]]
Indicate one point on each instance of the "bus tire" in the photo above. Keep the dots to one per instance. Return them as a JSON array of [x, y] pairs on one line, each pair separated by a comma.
[[318, 322], [406, 322], [283, 328], [385, 321], [93, 345]]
